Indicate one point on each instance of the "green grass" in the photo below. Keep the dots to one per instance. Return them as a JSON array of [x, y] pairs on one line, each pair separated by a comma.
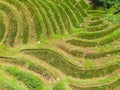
[[31, 81]]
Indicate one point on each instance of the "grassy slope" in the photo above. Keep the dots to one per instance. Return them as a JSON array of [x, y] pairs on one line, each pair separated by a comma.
[[87, 54]]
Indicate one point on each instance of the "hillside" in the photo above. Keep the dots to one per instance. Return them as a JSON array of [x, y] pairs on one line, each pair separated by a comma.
[[57, 45]]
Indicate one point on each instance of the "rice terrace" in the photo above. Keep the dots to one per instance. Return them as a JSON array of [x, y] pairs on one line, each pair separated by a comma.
[[59, 44]]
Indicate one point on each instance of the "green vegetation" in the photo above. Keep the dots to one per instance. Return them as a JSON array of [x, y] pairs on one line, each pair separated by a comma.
[[60, 86], [30, 81], [59, 44]]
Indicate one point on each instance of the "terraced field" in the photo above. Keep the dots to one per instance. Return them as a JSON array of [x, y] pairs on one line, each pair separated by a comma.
[[57, 45]]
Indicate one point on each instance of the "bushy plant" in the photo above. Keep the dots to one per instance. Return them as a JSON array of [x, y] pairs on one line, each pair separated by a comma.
[[115, 8], [108, 3], [105, 3], [112, 8], [114, 13]]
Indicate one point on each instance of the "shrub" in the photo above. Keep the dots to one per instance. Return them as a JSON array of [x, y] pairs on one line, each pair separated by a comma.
[[104, 3]]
